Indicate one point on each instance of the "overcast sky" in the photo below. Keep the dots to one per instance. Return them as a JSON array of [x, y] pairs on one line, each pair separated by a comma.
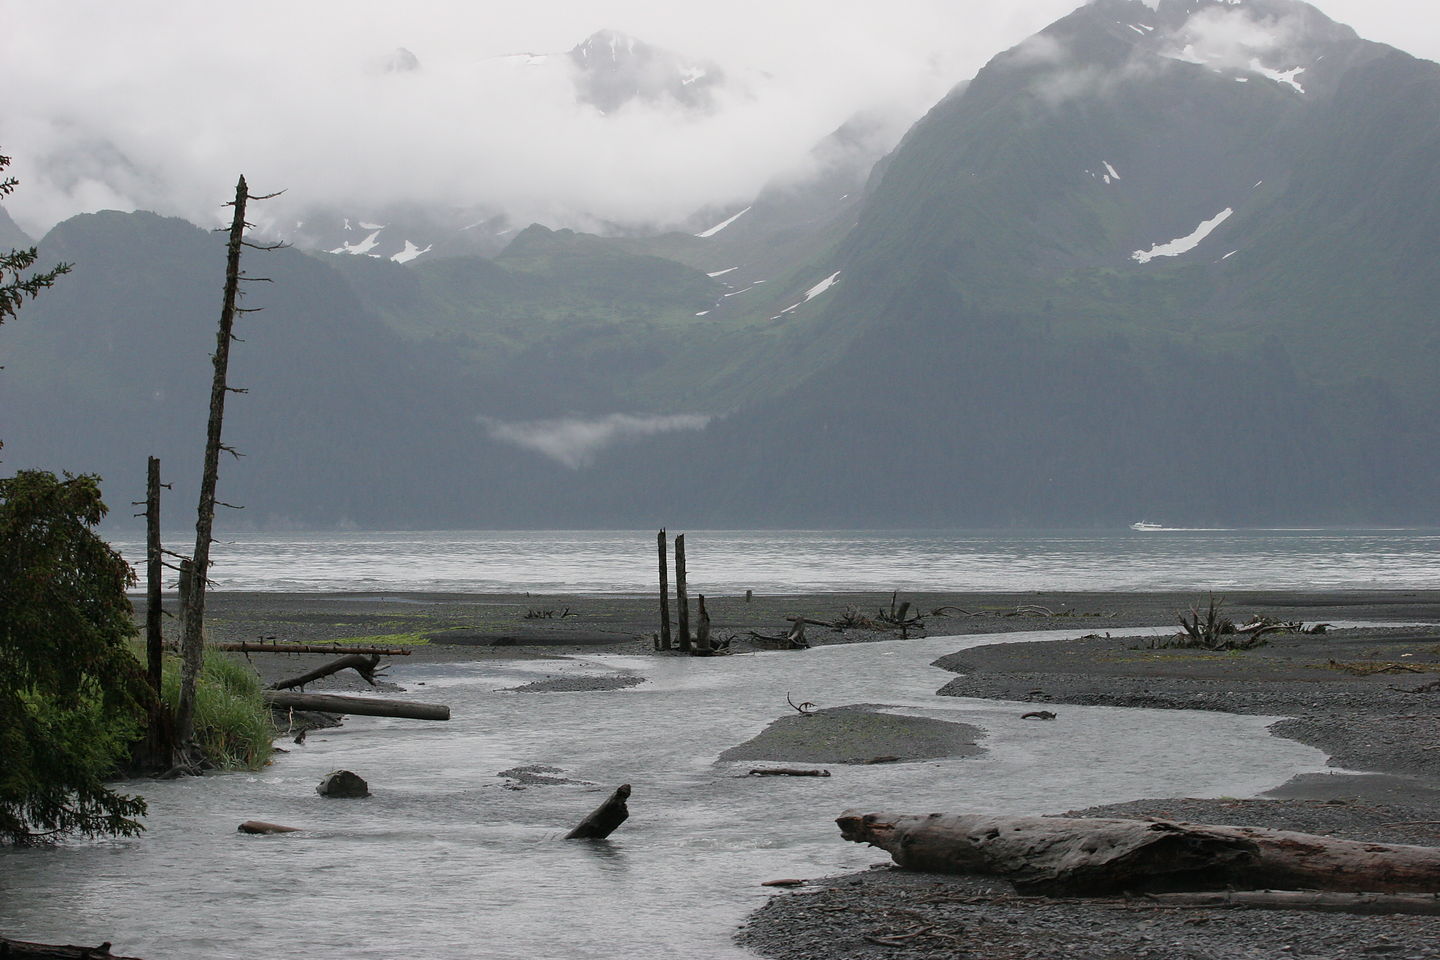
[[160, 104]]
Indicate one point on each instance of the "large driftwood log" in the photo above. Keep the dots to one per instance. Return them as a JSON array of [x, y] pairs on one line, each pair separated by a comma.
[[359, 662], [51, 951], [1095, 856], [359, 706], [1421, 904], [605, 818], [264, 646]]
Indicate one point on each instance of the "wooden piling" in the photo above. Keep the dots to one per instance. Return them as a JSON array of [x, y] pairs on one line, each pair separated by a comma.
[[665, 639], [682, 598]]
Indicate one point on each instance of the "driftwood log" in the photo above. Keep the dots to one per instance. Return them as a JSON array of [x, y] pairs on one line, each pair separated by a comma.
[[357, 706], [51, 951], [263, 646], [264, 827], [786, 772], [605, 818], [1320, 901], [363, 664], [1098, 856]]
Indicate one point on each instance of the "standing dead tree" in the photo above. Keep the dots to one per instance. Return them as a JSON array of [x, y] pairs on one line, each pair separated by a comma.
[[154, 753], [192, 644]]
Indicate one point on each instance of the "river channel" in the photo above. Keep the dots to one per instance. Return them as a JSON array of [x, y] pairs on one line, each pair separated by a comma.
[[446, 861]]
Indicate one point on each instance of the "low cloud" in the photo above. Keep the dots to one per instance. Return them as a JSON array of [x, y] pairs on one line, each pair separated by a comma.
[[574, 441], [1232, 38], [359, 106]]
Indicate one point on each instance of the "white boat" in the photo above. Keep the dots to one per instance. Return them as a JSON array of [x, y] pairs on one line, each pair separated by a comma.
[[1146, 525]]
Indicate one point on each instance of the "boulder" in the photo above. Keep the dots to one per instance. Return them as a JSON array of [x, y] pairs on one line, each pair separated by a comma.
[[342, 784]]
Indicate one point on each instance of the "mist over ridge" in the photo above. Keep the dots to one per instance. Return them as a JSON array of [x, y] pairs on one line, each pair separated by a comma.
[[1158, 259]]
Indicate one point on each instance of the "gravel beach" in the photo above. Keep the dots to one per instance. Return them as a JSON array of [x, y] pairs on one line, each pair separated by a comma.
[[1368, 698]]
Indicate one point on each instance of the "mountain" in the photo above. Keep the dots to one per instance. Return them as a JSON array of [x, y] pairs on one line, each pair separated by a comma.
[[606, 71], [1149, 262], [1164, 259], [343, 422], [612, 69], [11, 236]]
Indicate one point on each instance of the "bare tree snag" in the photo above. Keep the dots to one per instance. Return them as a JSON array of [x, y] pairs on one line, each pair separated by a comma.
[[156, 751], [1100, 856], [605, 818], [682, 598], [358, 706], [192, 645], [154, 571], [665, 640], [361, 664]]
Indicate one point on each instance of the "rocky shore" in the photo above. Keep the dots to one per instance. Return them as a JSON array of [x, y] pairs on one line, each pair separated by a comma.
[[1368, 697]]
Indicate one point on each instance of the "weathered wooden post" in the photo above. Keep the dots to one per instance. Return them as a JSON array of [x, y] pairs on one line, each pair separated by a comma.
[[702, 629], [664, 592], [682, 598], [187, 575]]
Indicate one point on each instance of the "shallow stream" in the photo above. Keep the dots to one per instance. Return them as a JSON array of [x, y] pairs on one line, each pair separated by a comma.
[[445, 862]]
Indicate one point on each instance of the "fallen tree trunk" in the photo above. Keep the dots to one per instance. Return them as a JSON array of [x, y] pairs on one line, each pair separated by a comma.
[[358, 706], [1097, 856], [263, 827], [254, 646], [362, 664], [1420, 904], [605, 818], [19, 949]]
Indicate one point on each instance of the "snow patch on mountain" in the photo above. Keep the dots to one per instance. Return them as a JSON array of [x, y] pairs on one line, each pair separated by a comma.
[[721, 273], [822, 286], [722, 224], [810, 294], [1185, 244], [1286, 77], [361, 247], [410, 252]]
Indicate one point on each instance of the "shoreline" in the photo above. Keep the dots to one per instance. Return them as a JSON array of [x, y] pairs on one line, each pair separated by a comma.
[[1360, 717]]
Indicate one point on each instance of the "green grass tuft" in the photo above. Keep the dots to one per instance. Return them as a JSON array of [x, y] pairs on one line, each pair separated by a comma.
[[232, 722]]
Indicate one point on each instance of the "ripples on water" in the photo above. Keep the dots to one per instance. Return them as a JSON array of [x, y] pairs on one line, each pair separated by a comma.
[[795, 562], [444, 862]]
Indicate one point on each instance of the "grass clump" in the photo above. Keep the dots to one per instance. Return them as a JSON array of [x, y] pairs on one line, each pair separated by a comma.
[[232, 722]]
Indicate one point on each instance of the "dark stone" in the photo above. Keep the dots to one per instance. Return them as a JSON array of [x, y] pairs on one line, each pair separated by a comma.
[[343, 784]]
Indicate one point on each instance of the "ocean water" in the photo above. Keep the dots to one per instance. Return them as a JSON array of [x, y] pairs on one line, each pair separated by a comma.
[[727, 562]]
